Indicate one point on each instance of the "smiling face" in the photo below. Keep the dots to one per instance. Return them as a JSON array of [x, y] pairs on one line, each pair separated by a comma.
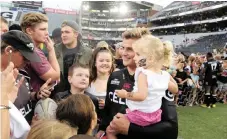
[[128, 52], [103, 62], [79, 78]]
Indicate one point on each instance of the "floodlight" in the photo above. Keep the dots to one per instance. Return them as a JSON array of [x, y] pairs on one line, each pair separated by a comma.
[[86, 7], [123, 9]]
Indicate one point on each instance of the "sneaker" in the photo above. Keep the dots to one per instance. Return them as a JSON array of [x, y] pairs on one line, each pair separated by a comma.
[[204, 105], [46, 109], [208, 107], [190, 105]]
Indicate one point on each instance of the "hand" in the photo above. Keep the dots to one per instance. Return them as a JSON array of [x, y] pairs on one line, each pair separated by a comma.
[[49, 44], [35, 119], [120, 124], [44, 90], [8, 79], [101, 103], [121, 93], [99, 134], [13, 94], [110, 130], [9, 87]]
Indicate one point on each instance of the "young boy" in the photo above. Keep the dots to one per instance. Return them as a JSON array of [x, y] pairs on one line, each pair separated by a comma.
[[78, 77]]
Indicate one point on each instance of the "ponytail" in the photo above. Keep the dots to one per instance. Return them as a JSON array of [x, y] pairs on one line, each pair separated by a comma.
[[168, 53]]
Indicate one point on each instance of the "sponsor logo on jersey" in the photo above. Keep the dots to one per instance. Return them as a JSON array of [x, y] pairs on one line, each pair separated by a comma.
[[115, 82]]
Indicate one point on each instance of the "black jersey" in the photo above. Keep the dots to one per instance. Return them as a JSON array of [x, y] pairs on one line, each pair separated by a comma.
[[167, 128], [212, 67], [23, 101]]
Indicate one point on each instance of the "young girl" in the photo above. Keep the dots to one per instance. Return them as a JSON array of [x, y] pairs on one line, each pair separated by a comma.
[[145, 101], [101, 66]]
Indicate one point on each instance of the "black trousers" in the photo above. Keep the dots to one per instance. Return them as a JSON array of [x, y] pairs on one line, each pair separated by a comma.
[[210, 95]]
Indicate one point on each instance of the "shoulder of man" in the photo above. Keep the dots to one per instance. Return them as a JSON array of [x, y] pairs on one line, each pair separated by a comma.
[[58, 49], [118, 74], [58, 46], [86, 50]]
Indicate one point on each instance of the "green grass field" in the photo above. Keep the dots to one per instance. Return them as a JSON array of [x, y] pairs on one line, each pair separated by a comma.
[[202, 123]]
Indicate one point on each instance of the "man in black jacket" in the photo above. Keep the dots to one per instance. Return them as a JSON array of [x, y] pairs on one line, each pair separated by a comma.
[[114, 106]]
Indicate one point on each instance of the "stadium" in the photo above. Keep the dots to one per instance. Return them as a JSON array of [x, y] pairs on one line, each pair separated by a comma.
[[91, 39], [192, 26], [107, 20]]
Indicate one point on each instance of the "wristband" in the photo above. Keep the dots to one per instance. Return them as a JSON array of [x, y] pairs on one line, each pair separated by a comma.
[[4, 107]]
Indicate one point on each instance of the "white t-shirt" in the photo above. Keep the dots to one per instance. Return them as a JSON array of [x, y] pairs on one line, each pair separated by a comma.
[[19, 127], [91, 90], [157, 86]]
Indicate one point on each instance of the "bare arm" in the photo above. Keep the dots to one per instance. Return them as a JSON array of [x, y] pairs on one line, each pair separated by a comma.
[[172, 86], [7, 85], [142, 90], [54, 72], [5, 128]]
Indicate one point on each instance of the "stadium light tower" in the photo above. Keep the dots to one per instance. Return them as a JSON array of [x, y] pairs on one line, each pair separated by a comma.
[[123, 9], [86, 7]]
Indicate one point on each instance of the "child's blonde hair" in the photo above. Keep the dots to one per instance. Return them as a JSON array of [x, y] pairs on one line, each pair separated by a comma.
[[168, 47], [51, 129], [153, 50]]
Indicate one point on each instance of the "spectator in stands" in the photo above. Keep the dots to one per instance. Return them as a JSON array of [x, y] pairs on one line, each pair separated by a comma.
[[124, 79], [105, 44], [225, 51], [195, 86], [7, 109], [190, 63], [70, 51], [118, 56], [56, 35], [36, 26], [52, 129], [181, 77], [3, 25], [79, 111], [15, 27], [222, 81], [102, 44], [17, 47]]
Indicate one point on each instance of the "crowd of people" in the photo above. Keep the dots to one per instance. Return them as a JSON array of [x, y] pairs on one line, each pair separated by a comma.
[[59, 88]]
